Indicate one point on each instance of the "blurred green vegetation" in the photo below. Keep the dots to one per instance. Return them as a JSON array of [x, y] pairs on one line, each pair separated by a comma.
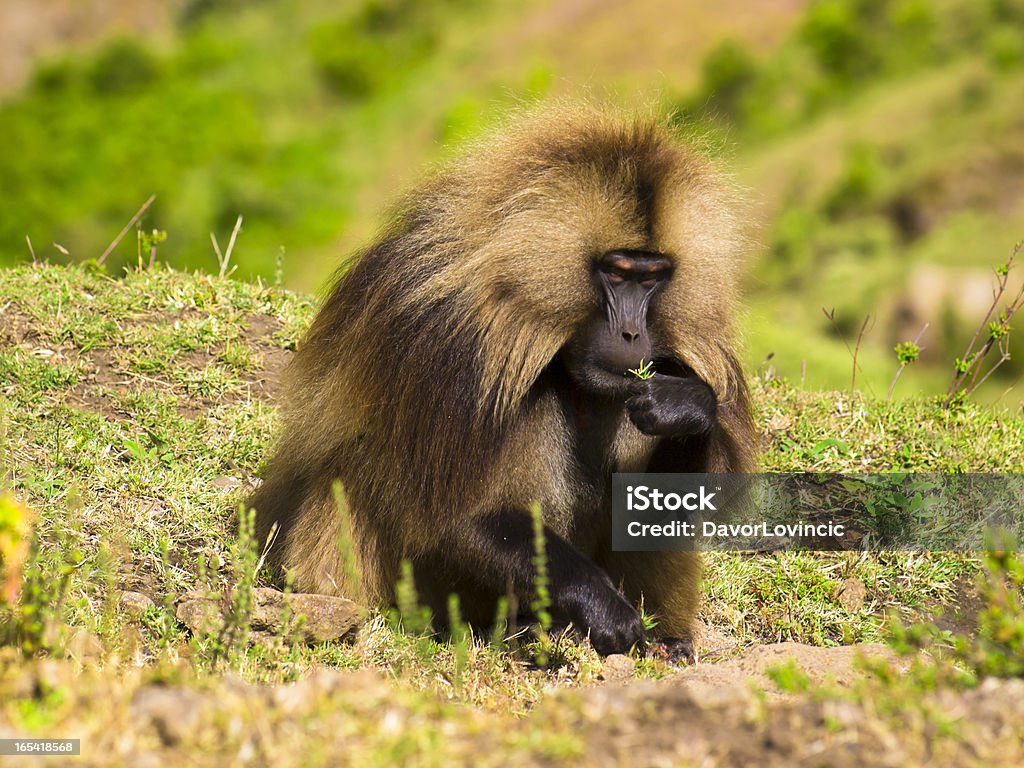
[[280, 111], [887, 140], [882, 139]]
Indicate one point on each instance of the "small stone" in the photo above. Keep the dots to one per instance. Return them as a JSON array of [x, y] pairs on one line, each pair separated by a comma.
[[226, 483], [200, 612], [325, 617], [83, 646], [174, 713], [134, 603], [618, 667], [852, 594]]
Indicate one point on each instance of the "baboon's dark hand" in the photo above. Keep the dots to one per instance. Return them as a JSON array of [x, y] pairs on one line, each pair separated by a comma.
[[672, 406], [596, 608]]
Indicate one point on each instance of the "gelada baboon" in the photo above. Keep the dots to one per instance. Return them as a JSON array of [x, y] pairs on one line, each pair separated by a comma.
[[473, 361]]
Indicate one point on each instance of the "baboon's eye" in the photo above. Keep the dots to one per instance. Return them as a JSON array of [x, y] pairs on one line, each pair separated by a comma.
[[615, 278]]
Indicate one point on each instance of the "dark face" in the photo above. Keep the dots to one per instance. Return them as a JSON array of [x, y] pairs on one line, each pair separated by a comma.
[[616, 337]]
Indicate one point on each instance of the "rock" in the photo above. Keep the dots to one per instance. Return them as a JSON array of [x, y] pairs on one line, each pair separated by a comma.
[[83, 646], [618, 667], [134, 603], [200, 612], [324, 683], [852, 594], [326, 617], [226, 483], [175, 713]]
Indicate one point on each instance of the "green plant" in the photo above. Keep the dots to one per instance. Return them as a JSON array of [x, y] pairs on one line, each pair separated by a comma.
[[461, 639], [858, 182], [38, 577], [907, 352], [224, 259], [123, 65], [841, 37], [346, 547], [230, 641], [541, 605], [727, 72], [15, 542], [995, 646], [650, 620], [358, 54], [644, 371], [414, 618], [830, 315], [152, 451], [149, 242], [789, 677], [990, 334], [500, 628]]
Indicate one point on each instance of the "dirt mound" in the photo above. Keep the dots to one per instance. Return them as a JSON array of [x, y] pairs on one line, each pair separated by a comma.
[[749, 670], [711, 714], [731, 714]]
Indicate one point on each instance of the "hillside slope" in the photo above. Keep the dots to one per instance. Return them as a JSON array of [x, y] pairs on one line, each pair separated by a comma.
[[137, 409], [879, 139]]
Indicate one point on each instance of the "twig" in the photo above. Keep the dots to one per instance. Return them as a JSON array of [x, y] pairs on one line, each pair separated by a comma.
[[1009, 389], [271, 539], [856, 351], [1004, 325], [231, 244], [225, 259], [216, 248], [899, 370], [970, 365], [1004, 356], [123, 232], [831, 315], [31, 250], [1005, 316]]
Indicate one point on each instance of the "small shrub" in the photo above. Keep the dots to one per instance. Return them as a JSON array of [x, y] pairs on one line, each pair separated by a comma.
[[727, 73], [1005, 47], [123, 66], [995, 647], [15, 532], [360, 53], [858, 183], [840, 42], [55, 77], [35, 580]]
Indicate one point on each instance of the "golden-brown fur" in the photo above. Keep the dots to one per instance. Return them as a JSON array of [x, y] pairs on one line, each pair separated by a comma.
[[418, 383]]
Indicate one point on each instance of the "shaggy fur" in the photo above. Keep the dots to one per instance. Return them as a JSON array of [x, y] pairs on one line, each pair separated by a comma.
[[421, 384]]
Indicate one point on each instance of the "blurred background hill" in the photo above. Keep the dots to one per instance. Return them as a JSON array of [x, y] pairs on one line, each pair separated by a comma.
[[882, 141]]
